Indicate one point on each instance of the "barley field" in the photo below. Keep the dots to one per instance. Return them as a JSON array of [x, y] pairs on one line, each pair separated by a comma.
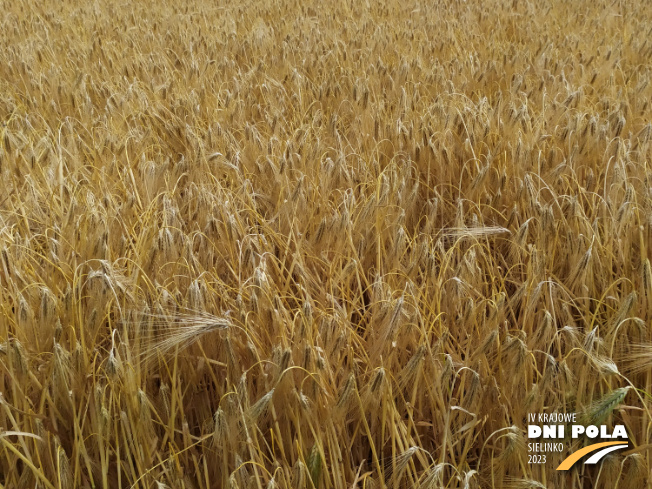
[[322, 245]]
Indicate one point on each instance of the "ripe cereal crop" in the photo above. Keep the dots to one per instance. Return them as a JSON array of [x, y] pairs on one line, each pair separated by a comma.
[[322, 245]]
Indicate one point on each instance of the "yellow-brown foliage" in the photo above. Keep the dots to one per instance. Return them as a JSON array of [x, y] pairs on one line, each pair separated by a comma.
[[321, 244]]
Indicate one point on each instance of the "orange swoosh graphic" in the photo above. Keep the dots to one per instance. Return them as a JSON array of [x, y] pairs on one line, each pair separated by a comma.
[[574, 457]]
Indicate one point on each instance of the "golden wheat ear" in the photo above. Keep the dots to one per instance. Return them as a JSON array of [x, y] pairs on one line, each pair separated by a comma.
[[176, 331]]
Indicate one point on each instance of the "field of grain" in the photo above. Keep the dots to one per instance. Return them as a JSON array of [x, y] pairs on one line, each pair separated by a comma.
[[322, 245]]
